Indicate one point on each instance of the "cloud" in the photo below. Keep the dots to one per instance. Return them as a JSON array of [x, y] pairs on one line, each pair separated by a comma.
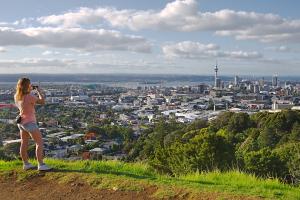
[[183, 15], [36, 63], [48, 53], [2, 50], [196, 50], [24, 22], [73, 38], [283, 49], [41, 65]]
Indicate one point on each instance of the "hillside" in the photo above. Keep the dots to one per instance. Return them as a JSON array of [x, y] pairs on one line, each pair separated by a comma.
[[118, 180]]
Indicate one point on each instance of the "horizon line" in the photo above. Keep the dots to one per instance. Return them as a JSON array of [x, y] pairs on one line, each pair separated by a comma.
[[148, 74]]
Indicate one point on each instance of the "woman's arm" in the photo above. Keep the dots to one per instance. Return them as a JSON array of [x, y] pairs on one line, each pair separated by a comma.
[[41, 99]]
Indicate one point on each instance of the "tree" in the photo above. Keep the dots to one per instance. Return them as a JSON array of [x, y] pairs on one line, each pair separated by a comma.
[[3, 155], [290, 154], [239, 122], [220, 122], [267, 138], [295, 134], [98, 131], [1, 143], [265, 163], [196, 125], [205, 151], [12, 150]]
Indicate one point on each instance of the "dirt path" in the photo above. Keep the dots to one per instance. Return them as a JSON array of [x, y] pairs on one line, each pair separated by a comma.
[[38, 188]]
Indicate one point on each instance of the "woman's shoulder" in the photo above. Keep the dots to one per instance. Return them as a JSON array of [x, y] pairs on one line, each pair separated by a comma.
[[31, 97]]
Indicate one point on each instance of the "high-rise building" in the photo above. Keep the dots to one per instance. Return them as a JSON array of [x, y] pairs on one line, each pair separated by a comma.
[[275, 80], [262, 82], [236, 80], [256, 88], [217, 79]]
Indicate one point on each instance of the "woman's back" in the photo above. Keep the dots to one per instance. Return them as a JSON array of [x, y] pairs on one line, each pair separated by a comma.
[[27, 109]]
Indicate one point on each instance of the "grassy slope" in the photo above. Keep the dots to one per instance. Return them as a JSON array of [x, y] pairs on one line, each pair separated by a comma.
[[135, 176]]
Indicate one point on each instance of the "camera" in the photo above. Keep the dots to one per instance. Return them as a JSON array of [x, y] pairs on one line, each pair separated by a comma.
[[18, 119], [35, 87]]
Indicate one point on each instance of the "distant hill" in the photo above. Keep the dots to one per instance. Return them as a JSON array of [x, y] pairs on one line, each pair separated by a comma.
[[118, 180]]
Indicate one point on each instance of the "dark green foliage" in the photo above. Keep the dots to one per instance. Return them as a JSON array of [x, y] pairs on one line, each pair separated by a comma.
[[290, 154], [295, 134], [221, 121], [281, 121], [31, 151], [265, 163], [260, 144], [3, 155], [239, 122], [206, 151], [267, 138], [196, 125], [12, 150]]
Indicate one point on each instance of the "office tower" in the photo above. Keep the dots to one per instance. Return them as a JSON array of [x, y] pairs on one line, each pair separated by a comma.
[[236, 80], [275, 80]]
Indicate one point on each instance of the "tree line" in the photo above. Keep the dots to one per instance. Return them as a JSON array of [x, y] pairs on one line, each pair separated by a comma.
[[264, 144]]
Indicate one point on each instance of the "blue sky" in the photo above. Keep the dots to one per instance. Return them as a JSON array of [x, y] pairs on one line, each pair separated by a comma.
[[249, 37]]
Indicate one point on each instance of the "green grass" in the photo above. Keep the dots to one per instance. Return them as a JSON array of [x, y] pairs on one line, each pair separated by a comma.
[[137, 176]]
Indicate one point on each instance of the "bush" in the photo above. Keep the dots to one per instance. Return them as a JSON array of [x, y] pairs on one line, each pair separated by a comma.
[[206, 151], [290, 154], [265, 163]]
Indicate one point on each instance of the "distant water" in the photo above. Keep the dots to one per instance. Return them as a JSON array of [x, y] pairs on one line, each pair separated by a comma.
[[125, 80]]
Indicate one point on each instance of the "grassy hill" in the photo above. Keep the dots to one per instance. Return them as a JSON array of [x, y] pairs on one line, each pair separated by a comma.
[[138, 177]]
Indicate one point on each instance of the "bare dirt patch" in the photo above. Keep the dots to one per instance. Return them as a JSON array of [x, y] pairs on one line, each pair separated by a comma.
[[37, 188]]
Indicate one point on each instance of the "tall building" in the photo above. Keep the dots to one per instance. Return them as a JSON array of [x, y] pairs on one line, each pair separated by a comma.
[[217, 79], [275, 80], [262, 82], [256, 89], [236, 80]]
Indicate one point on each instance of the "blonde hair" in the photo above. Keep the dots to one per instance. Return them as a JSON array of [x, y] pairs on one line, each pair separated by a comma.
[[22, 88]]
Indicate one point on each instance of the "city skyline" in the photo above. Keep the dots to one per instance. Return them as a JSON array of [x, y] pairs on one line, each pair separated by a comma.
[[157, 37]]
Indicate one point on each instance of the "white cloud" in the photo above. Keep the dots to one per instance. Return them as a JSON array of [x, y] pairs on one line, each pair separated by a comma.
[[195, 50], [183, 15], [73, 38], [36, 62], [280, 49], [40, 65], [48, 53], [37, 65], [24, 22], [2, 50]]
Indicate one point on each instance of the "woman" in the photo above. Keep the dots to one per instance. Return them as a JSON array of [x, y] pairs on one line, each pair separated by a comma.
[[25, 101]]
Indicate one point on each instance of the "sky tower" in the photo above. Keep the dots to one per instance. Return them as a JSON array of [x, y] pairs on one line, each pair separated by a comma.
[[216, 70], [217, 79]]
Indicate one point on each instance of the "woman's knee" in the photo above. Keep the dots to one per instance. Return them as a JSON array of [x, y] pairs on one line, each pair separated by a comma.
[[24, 143], [39, 144], [24, 136]]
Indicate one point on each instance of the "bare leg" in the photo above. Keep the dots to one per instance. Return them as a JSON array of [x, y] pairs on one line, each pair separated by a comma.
[[39, 150], [24, 145]]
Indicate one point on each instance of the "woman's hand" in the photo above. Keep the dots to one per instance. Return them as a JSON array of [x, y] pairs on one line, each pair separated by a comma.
[[41, 99]]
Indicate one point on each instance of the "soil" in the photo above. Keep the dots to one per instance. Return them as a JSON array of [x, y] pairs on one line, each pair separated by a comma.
[[39, 188]]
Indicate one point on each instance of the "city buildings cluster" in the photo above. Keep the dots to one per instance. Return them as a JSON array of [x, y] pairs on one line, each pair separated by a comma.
[[144, 105]]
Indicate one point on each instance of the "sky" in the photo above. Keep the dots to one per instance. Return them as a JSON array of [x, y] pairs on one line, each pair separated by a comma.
[[248, 37]]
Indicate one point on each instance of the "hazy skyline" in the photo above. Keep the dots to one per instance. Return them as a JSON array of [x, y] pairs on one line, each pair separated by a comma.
[[250, 37]]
